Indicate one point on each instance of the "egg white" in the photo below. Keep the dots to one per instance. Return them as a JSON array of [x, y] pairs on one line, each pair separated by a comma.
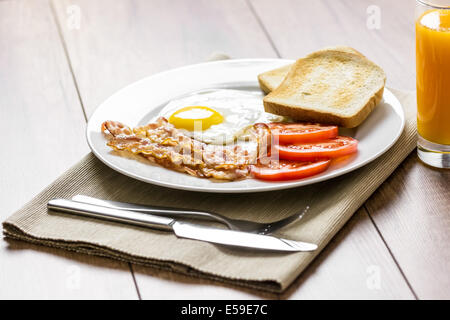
[[240, 110]]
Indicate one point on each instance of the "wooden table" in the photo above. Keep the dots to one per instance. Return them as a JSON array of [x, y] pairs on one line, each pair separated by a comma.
[[59, 59]]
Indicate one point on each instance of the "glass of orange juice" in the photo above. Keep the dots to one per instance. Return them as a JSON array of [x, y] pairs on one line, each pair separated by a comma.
[[433, 82]]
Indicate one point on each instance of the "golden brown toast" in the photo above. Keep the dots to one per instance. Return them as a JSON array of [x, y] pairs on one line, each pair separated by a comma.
[[269, 80], [329, 86]]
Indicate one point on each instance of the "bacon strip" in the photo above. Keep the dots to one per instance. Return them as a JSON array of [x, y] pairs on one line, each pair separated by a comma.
[[162, 143]]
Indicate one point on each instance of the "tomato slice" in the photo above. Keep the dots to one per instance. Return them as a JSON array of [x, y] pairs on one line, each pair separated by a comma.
[[326, 149], [291, 133], [281, 170]]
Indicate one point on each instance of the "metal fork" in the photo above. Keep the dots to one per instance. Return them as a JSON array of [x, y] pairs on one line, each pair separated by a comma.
[[233, 224]]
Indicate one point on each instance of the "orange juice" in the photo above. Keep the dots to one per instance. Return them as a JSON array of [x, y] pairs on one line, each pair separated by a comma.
[[433, 75]]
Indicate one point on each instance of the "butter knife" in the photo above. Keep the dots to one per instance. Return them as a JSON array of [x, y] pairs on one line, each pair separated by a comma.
[[182, 229]]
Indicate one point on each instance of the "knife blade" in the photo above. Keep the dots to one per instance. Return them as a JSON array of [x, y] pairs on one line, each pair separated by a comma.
[[182, 229]]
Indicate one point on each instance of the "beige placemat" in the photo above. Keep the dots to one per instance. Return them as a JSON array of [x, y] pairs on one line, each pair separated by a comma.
[[332, 204]]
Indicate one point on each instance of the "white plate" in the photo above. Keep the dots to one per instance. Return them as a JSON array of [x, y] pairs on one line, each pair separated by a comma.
[[142, 100]]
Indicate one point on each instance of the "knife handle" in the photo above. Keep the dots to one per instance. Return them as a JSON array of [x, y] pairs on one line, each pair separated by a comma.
[[104, 213]]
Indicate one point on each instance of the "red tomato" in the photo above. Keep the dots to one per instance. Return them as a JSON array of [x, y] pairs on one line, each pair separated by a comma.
[[288, 170], [326, 149], [291, 133]]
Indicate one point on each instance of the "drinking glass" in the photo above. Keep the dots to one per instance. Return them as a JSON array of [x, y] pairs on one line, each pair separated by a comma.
[[433, 82]]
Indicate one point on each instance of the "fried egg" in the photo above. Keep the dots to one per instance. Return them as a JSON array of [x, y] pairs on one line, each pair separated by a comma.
[[220, 116]]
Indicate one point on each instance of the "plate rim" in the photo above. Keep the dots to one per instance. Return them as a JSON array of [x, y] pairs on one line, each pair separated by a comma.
[[265, 188]]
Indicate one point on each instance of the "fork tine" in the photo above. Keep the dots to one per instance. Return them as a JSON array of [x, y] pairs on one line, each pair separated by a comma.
[[272, 227]]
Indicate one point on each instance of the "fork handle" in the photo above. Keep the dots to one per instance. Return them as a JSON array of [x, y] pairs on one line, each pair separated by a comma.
[[160, 211], [110, 214]]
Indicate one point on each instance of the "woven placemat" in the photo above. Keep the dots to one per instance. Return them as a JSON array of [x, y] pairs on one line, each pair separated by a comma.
[[332, 204]]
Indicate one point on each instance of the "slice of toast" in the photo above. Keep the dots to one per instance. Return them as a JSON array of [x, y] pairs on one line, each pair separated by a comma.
[[269, 80], [334, 87]]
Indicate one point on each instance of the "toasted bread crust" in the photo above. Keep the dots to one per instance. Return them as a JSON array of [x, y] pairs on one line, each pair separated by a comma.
[[270, 80], [343, 105], [265, 85], [325, 118]]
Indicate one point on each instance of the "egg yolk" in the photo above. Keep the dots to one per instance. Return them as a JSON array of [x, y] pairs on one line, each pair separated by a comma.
[[195, 118]]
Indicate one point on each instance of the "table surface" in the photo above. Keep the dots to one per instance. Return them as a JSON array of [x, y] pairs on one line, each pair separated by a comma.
[[60, 59]]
